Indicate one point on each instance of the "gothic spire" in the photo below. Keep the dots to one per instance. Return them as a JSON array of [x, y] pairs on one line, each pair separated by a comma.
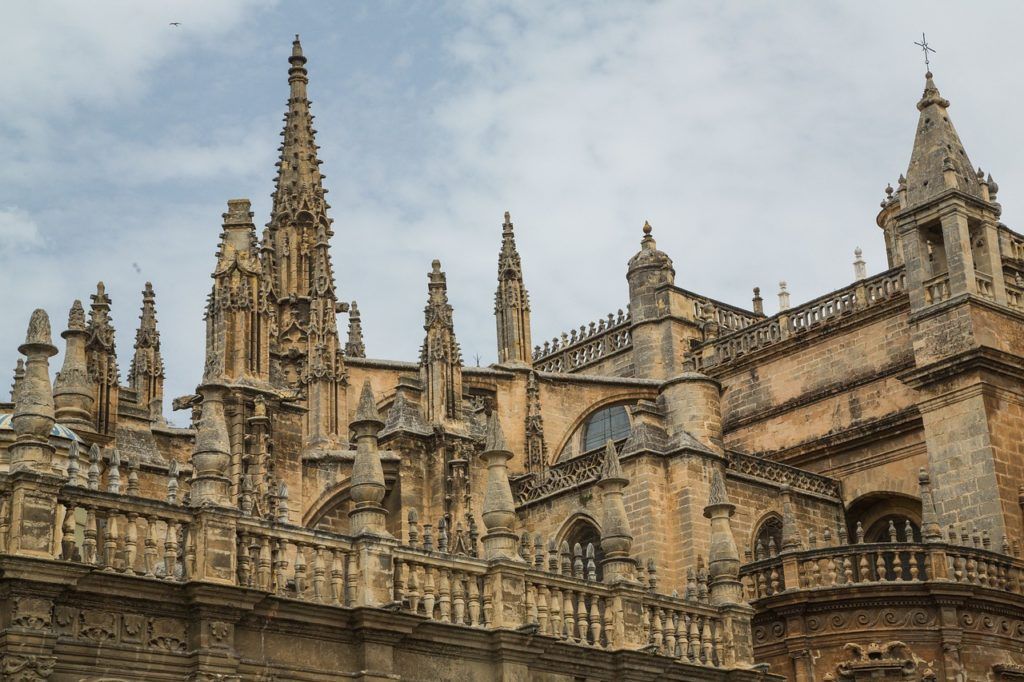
[[512, 302], [440, 355], [354, 347], [147, 368], [101, 359], [536, 449], [299, 226], [938, 161]]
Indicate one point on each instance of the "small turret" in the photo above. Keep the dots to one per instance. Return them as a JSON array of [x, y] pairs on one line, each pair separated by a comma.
[[367, 489], [354, 347], [147, 368], [101, 359], [649, 273], [723, 557], [34, 410], [499, 510], [72, 391], [211, 454], [616, 536]]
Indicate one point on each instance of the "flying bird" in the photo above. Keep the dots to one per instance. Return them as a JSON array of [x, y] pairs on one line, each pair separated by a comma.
[[175, 23]]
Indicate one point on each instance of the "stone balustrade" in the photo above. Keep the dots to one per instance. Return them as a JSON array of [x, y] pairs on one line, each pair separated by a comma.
[[847, 565], [985, 286], [936, 289], [577, 349], [770, 331]]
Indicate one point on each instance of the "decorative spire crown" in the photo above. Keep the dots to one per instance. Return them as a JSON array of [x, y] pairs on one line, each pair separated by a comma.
[[76, 317], [367, 409], [495, 439]]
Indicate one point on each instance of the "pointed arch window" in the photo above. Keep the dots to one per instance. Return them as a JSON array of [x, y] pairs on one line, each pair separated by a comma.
[[610, 423]]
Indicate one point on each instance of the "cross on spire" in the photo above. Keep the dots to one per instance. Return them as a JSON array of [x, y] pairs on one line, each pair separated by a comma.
[[925, 48]]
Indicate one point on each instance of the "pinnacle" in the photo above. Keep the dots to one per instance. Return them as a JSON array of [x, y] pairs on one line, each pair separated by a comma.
[[610, 467], [495, 439], [718, 494], [76, 316], [38, 330], [367, 409]]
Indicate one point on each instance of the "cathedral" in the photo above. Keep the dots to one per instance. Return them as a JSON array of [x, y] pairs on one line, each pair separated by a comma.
[[686, 489]]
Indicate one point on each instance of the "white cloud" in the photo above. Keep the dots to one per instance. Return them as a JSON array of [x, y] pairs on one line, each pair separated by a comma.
[[18, 231]]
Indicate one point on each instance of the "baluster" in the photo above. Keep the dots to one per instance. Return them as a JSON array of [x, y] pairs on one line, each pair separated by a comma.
[[351, 577], [595, 621], [556, 628], [972, 571], [131, 543], [266, 565], [847, 570], [682, 637], [428, 537], [474, 601], [960, 570], [761, 588], [581, 617], [68, 549], [567, 615], [413, 588], [670, 635], [982, 573], [300, 570], [189, 566], [775, 585], [445, 596], [912, 563], [880, 568], [458, 599], [280, 564], [488, 601], [538, 552], [531, 603], [830, 570], [319, 573], [110, 542], [864, 568], [708, 657], [694, 640], [608, 623], [566, 559], [542, 609], [93, 476], [150, 551], [429, 598], [114, 472], [897, 565], [552, 556], [657, 629], [591, 565], [577, 561], [244, 566], [816, 573]]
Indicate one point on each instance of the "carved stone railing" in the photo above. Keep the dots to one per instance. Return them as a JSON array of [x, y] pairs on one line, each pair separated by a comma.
[[861, 295], [850, 565], [1015, 297], [783, 474], [985, 286], [559, 595], [578, 349], [565, 475], [936, 289], [549, 591], [728, 318]]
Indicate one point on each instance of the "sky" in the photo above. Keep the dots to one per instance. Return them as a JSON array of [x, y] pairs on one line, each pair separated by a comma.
[[756, 137]]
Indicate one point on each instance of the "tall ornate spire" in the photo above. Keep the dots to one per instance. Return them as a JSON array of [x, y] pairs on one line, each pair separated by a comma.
[[440, 355], [147, 368], [938, 161], [101, 359], [299, 210], [512, 303], [72, 391]]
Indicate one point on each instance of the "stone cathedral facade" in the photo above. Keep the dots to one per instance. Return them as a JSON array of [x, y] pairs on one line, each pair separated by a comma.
[[683, 490]]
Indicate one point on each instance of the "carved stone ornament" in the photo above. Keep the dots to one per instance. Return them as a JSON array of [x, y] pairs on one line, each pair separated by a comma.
[[32, 612], [889, 661], [99, 626], [167, 633], [25, 668]]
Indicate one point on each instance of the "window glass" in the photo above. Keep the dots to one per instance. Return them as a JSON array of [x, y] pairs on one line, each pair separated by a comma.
[[610, 423]]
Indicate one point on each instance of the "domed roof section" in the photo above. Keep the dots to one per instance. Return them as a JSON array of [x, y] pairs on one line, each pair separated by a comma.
[[58, 430], [649, 256]]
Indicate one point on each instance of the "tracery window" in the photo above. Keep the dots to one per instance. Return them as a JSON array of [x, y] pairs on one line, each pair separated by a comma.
[[610, 423]]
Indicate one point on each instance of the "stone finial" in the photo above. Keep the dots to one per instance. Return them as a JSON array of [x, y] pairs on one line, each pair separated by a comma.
[[790, 533], [34, 409], [783, 296], [930, 529], [354, 346], [93, 481], [74, 465], [757, 302], [723, 556], [172, 482], [512, 303], [368, 488], [211, 454], [860, 270], [616, 535], [499, 511], [76, 317]]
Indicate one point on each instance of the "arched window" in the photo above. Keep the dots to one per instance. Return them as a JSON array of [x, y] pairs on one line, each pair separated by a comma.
[[586, 533], [874, 512], [768, 538], [610, 423]]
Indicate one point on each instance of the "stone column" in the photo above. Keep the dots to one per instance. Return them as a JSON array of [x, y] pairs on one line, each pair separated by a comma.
[[499, 511]]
